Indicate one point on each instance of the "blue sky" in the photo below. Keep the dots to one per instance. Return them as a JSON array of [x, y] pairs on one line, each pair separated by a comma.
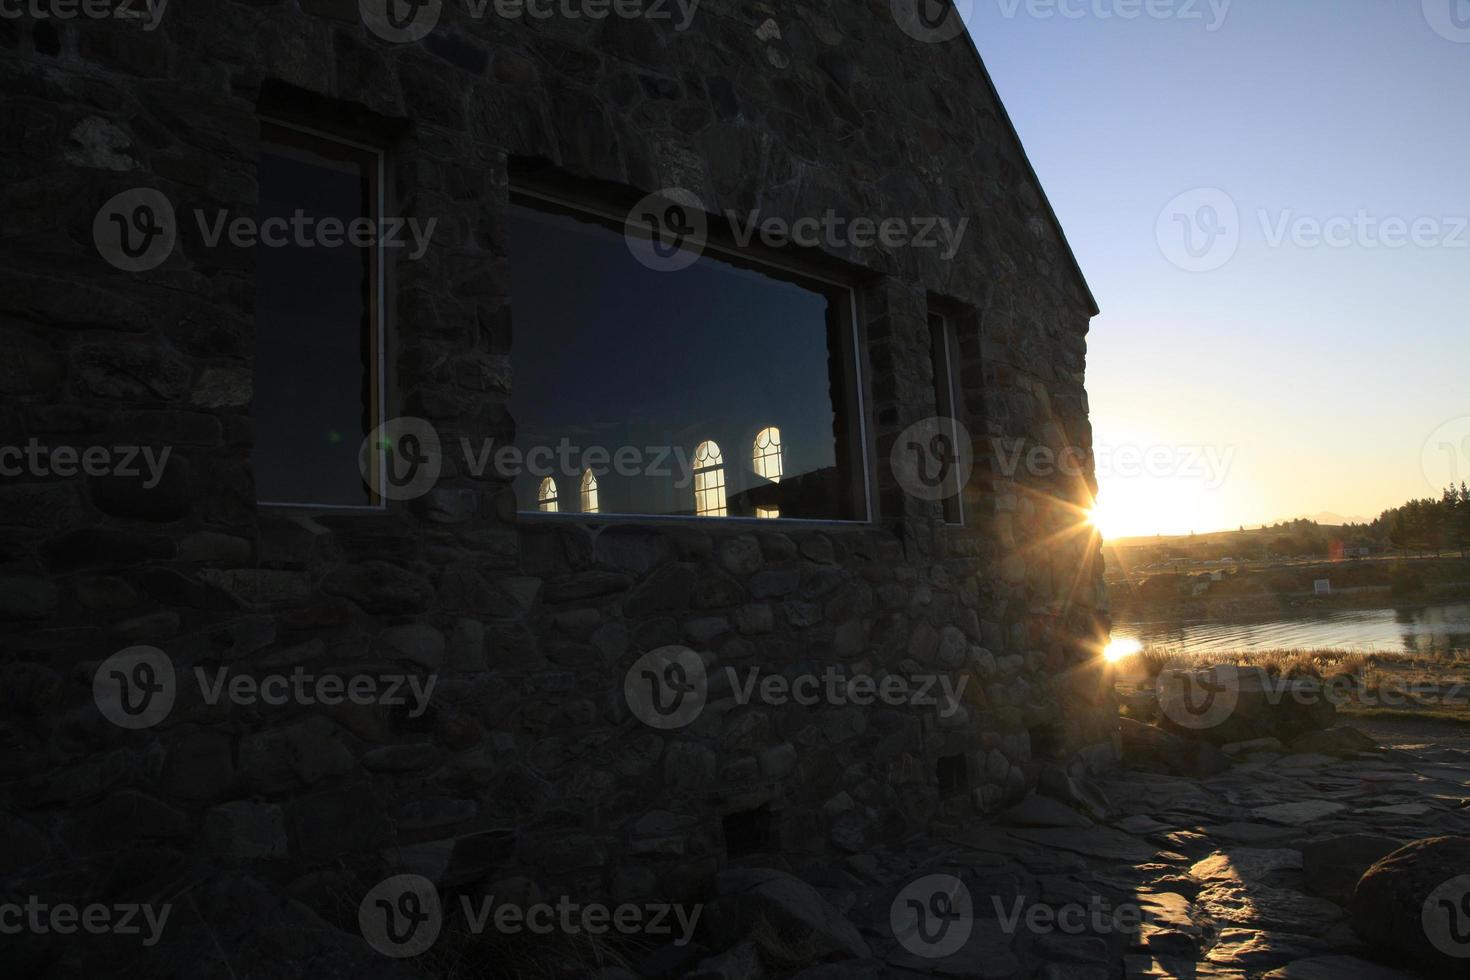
[[1319, 371]]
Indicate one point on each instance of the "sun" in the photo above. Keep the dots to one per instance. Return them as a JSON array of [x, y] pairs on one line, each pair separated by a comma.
[[1123, 646], [1104, 520]]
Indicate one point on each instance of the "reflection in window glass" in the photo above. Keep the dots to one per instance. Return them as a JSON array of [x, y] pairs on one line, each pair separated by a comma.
[[616, 357], [589, 493], [709, 481], [767, 455], [316, 330], [766, 461], [546, 497]]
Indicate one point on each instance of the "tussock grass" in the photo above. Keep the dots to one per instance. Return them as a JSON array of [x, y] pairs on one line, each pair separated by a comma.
[[779, 951], [1153, 661], [1384, 686]]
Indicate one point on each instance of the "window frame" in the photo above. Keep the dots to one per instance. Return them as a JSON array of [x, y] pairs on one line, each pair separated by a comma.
[[554, 499], [589, 488], [856, 427], [376, 356], [941, 353]]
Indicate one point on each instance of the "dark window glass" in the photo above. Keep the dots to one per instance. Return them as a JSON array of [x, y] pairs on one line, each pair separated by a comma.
[[658, 374], [316, 350]]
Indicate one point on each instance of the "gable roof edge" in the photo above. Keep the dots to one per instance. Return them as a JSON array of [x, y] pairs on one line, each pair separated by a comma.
[[1031, 172]]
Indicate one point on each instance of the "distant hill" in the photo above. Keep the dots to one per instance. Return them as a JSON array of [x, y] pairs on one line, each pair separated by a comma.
[[1328, 517]]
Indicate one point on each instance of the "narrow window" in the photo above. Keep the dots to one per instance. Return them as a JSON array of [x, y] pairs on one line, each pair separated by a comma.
[[766, 461], [589, 493], [944, 402], [547, 497], [709, 481], [318, 377]]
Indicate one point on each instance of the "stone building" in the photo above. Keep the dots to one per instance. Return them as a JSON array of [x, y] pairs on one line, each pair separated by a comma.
[[252, 464]]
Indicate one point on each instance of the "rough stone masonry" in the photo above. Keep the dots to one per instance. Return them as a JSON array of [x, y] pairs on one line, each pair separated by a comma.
[[509, 751]]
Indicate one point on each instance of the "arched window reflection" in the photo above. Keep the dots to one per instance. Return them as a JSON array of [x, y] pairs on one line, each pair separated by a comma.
[[546, 497], [709, 481], [589, 493], [767, 463]]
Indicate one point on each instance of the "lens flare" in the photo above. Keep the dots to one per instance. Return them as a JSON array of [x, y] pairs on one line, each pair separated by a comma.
[[1123, 646]]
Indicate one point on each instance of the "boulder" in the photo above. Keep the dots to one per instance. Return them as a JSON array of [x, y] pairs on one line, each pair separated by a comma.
[[1227, 704], [743, 962], [1074, 787], [792, 908], [1417, 901], [1333, 866], [1043, 811], [1234, 749], [1342, 742], [1148, 747], [1140, 705]]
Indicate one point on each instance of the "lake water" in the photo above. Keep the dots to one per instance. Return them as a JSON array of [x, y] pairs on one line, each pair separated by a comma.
[[1429, 629]]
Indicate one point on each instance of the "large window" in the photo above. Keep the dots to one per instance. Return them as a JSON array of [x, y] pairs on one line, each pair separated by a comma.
[[725, 389], [317, 375]]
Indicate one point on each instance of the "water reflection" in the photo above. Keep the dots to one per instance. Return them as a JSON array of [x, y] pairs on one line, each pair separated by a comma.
[[1427, 629]]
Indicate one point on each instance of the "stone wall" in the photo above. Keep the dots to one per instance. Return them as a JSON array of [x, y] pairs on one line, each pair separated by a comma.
[[527, 763]]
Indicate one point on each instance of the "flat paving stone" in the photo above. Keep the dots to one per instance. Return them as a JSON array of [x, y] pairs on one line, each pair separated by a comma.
[[1145, 967], [1245, 864], [1247, 832], [1254, 950], [1140, 824], [1098, 842], [1338, 968], [985, 955], [1043, 811], [1304, 760], [1400, 810], [1251, 905], [1299, 813]]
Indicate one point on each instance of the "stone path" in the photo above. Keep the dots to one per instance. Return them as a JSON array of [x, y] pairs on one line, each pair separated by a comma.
[[1242, 875]]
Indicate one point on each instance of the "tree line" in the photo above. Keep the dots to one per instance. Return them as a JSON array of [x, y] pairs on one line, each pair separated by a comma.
[[1427, 525]]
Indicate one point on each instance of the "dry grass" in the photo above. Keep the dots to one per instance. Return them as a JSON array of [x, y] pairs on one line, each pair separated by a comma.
[[779, 951], [1150, 662], [1383, 685]]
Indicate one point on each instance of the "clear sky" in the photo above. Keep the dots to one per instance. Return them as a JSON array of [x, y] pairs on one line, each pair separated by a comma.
[[1315, 374]]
